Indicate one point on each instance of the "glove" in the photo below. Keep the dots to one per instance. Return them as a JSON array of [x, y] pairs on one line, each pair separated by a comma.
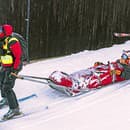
[[98, 63], [11, 76], [116, 72]]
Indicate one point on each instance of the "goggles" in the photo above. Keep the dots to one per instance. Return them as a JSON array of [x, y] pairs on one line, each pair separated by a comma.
[[124, 56], [1, 29]]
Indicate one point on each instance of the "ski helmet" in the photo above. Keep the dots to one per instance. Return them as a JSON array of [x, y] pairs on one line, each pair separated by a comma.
[[125, 57], [126, 54], [5, 30]]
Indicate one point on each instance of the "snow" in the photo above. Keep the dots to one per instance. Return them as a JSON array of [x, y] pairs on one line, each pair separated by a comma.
[[105, 109]]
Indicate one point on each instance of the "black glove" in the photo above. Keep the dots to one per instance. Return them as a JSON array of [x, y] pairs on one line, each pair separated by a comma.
[[12, 74]]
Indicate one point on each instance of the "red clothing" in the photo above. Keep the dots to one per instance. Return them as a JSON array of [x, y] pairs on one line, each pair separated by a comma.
[[17, 53]]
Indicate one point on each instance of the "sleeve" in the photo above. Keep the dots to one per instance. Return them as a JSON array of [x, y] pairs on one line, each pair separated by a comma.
[[126, 73], [17, 53]]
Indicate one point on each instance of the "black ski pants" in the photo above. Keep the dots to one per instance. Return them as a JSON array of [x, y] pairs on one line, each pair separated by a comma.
[[6, 86]]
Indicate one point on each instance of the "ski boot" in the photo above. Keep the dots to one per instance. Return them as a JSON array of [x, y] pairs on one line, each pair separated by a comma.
[[3, 102], [11, 113]]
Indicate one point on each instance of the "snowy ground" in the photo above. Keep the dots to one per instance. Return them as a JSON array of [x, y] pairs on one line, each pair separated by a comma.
[[105, 109]]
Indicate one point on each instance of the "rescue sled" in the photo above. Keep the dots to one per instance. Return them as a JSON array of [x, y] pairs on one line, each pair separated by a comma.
[[82, 81], [86, 80]]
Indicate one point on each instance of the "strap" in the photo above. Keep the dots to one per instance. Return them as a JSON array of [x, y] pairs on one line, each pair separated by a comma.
[[112, 72], [6, 43], [13, 39], [8, 40]]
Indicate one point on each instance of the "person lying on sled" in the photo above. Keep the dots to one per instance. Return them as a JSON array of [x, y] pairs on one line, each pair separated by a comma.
[[94, 77], [115, 71], [111, 72]]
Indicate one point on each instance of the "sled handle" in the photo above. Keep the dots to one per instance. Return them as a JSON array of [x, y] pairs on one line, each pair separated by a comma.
[[28, 76], [32, 78]]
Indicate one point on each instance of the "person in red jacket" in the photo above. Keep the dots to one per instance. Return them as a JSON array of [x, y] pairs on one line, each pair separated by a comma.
[[11, 53]]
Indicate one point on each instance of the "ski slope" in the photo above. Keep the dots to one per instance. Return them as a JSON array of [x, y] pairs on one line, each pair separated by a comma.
[[103, 109]]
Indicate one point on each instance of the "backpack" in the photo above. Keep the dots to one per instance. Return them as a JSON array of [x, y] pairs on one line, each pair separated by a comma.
[[24, 46]]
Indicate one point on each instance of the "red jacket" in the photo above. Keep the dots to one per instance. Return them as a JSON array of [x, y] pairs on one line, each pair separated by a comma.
[[17, 53]]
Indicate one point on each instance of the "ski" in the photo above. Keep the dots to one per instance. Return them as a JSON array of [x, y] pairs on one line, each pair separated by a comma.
[[27, 97], [15, 117], [21, 99], [122, 34]]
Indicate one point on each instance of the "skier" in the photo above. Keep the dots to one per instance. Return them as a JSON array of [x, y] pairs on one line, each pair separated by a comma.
[[10, 56]]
